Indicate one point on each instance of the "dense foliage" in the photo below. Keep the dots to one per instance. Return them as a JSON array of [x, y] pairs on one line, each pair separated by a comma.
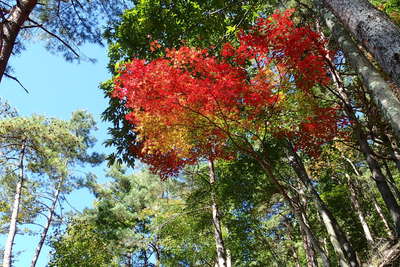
[[263, 142]]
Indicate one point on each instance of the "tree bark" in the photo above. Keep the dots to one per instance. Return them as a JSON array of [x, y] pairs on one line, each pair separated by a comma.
[[310, 254], [374, 30], [48, 223], [343, 249], [382, 216], [394, 149], [360, 213], [362, 140], [9, 30], [296, 208], [382, 94], [391, 181], [311, 258], [7, 257], [219, 242]]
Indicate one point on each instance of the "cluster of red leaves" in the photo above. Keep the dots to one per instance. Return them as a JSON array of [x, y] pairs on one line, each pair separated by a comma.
[[190, 89], [300, 49], [164, 164], [185, 79], [317, 130]]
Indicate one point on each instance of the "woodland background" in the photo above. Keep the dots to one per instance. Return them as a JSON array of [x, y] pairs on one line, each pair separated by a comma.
[[239, 133]]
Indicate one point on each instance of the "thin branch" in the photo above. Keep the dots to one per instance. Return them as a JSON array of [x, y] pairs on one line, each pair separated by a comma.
[[55, 36], [16, 79]]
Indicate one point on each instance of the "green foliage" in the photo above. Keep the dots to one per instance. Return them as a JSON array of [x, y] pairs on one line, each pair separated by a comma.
[[81, 245], [172, 24], [390, 7], [51, 149]]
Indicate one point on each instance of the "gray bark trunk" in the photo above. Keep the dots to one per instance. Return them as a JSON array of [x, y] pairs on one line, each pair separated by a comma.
[[288, 225], [374, 30], [382, 95], [343, 249], [219, 242], [373, 164], [360, 213], [9, 30], [7, 257], [310, 255], [391, 181], [307, 244], [295, 208], [394, 150], [48, 224], [382, 216]]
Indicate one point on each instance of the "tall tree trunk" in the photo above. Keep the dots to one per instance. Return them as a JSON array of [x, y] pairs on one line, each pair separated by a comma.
[[374, 30], [382, 216], [343, 249], [382, 94], [311, 258], [380, 180], [360, 213], [296, 208], [48, 223], [7, 257], [310, 254], [394, 149], [10, 28], [219, 242], [391, 181], [362, 140]]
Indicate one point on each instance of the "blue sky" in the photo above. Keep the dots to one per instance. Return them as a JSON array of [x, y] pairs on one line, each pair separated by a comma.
[[56, 89]]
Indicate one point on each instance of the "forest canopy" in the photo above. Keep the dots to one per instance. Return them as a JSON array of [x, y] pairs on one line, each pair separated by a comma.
[[242, 133]]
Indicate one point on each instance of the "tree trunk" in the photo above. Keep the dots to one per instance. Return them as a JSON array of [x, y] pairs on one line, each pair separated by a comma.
[[382, 95], [374, 30], [357, 207], [7, 257], [380, 181], [394, 150], [310, 254], [311, 258], [48, 223], [391, 181], [296, 208], [382, 216], [10, 28], [343, 249], [219, 242], [373, 164]]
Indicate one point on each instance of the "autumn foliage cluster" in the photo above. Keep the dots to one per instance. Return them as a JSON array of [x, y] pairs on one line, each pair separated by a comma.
[[192, 104]]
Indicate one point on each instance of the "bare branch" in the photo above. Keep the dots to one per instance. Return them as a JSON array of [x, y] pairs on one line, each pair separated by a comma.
[[55, 36], [16, 79]]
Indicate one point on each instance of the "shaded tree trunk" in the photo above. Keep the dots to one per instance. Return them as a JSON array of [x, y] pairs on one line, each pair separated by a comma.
[[357, 207], [382, 94], [391, 181], [394, 150], [373, 29], [373, 164], [219, 242], [48, 224], [343, 249], [310, 248], [7, 257], [296, 208], [10, 27], [382, 216], [310, 254]]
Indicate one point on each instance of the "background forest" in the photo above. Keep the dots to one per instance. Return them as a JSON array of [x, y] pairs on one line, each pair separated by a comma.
[[239, 133]]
